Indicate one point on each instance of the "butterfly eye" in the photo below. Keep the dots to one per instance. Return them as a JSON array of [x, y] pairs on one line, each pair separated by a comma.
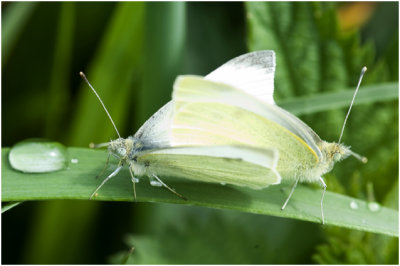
[[121, 152], [337, 156]]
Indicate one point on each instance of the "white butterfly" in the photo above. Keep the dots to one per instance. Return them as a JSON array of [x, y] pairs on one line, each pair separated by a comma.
[[150, 153], [234, 105], [225, 128]]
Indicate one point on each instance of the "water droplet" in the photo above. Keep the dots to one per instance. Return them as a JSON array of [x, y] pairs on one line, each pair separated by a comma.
[[223, 183], [74, 160], [136, 180], [353, 205], [373, 206], [155, 183], [38, 156]]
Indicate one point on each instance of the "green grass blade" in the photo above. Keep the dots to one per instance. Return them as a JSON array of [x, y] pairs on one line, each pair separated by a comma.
[[78, 182], [334, 100], [51, 224], [7, 206], [58, 91], [114, 73], [165, 22], [14, 19]]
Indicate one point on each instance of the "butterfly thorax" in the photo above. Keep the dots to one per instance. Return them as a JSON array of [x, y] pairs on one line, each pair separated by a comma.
[[331, 153], [125, 149]]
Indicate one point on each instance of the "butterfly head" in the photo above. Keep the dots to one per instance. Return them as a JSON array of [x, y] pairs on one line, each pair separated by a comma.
[[123, 148], [336, 152]]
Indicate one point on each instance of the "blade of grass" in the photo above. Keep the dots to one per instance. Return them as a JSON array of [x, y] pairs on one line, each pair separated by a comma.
[[164, 23], [78, 182], [112, 73], [334, 100], [113, 66], [14, 19], [58, 92], [7, 206], [53, 221]]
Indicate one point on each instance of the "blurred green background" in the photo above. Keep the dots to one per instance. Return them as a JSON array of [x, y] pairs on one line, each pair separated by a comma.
[[131, 53]]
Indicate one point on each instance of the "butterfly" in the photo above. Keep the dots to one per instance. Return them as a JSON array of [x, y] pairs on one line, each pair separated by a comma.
[[234, 105], [149, 153]]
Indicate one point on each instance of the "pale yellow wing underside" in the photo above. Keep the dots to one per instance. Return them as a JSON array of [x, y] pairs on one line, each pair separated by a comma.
[[192, 89], [240, 166], [221, 124]]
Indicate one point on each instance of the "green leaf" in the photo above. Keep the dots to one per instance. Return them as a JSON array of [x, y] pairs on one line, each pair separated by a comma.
[[78, 182], [354, 247], [315, 55]]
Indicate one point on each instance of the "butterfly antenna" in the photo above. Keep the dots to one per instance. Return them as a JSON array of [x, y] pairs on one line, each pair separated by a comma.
[[98, 97], [352, 101], [359, 157]]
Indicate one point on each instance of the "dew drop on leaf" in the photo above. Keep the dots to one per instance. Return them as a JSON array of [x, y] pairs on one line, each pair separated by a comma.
[[155, 183], [38, 156], [353, 205], [74, 160], [373, 206]]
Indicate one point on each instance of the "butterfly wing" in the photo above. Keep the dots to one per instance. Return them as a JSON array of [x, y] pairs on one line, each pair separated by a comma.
[[195, 89], [221, 124], [154, 133], [236, 165], [252, 73]]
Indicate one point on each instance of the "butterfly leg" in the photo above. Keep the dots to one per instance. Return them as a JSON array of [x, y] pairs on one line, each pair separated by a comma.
[[108, 178], [104, 168], [322, 199], [290, 194], [167, 187], [133, 182]]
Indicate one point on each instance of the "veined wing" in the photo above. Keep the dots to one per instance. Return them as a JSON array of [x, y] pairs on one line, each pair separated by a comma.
[[236, 165], [192, 89], [155, 131], [221, 124], [252, 73]]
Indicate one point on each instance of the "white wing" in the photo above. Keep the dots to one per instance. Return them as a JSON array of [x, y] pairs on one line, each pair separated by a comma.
[[192, 89], [252, 73], [155, 131], [235, 165]]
